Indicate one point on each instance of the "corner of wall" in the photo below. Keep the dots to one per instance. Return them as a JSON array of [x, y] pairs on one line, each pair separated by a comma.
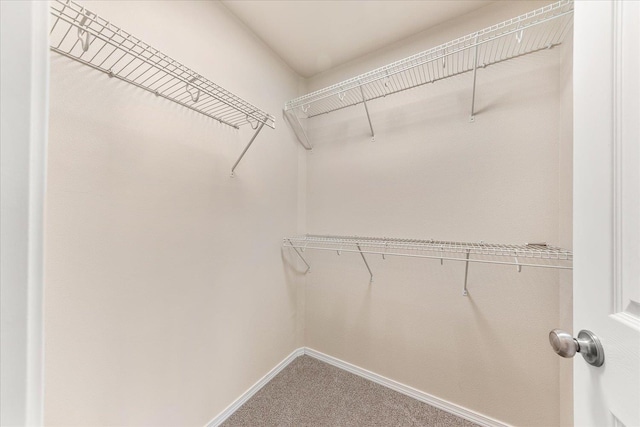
[[302, 227]]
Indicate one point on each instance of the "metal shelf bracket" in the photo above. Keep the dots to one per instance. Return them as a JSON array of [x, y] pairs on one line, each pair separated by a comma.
[[472, 117], [366, 109], [301, 257], [365, 262], [298, 129], [245, 149], [466, 274]]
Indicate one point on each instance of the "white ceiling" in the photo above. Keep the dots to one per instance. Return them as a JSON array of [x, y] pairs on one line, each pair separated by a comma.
[[315, 35]]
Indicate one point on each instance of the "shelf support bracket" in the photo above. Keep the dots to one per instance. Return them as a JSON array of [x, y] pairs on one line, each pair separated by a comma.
[[365, 262], [466, 274], [298, 130], [246, 148], [301, 257], [472, 117], [366, 109]]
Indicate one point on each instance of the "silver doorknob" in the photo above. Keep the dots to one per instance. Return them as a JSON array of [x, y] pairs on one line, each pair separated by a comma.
[[587, 344]]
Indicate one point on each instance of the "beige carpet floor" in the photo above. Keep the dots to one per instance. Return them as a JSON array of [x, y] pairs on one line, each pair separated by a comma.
[[309, 392]]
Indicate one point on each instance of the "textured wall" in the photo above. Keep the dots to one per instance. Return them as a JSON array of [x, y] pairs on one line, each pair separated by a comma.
[[432, 174], [166, 293]]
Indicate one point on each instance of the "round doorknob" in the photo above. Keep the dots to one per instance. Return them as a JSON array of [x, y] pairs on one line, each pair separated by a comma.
[[563, 343], [586, 344]]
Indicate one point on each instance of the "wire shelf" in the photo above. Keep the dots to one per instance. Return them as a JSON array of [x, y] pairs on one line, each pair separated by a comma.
[[89, 39], [537, 30], [536, 251], [528, 255], [540, 29]]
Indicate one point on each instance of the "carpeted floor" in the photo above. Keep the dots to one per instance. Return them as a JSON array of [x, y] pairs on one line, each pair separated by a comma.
[[309, 392]]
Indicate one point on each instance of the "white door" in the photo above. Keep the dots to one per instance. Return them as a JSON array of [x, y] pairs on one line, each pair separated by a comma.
[[607, 209]]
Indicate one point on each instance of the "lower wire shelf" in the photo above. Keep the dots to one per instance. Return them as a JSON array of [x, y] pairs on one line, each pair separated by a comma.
[[538, 255]]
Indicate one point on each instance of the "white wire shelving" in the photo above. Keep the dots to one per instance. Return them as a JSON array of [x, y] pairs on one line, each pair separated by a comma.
[[543, 28], [83, 36], [537, 255]]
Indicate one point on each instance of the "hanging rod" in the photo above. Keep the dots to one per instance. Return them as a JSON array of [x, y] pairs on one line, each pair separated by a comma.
[[531, 32], [85, 37], [537, 255]]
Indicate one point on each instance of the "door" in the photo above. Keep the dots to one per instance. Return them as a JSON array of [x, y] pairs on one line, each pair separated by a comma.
[[607, 209]]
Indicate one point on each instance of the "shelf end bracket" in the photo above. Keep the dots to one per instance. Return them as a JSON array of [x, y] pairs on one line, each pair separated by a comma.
[[292, 118], [301, 257]]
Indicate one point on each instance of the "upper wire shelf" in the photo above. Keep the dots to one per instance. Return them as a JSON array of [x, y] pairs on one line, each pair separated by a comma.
[[540, 29], [527, 255], [85, 37]]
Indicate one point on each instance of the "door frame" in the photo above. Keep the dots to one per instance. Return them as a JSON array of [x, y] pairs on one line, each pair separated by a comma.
[[24, 115]]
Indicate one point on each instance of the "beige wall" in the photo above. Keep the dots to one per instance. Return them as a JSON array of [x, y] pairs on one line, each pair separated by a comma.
[[432, 174], [166, 295], [167, 292]]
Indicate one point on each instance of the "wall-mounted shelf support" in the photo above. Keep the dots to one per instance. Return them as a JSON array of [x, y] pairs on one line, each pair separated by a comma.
[[366, 109], [539, 255], [105, 47], [365, 262], [301, 257], [294, 121], [472, 117], [466, 274], [245, 149]]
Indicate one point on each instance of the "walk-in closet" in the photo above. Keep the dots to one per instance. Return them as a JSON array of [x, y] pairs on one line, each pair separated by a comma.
[[320, 213]]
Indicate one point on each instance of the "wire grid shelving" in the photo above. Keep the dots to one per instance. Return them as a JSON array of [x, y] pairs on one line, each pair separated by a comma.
[[87, 38], [83, 36], [538, 255], [537, 30]]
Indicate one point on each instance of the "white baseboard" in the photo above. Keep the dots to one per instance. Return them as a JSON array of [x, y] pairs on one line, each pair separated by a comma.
[[229, 410], [452, 408]]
